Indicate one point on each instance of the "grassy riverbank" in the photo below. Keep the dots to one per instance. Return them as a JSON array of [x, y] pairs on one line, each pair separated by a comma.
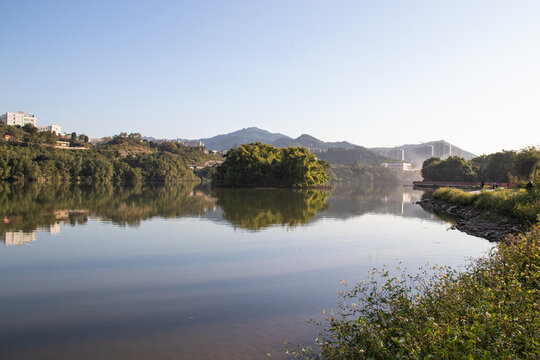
[[519, 205], [491, 310]]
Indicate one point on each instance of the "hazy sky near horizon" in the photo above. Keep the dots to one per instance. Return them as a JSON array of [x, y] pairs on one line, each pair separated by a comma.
[[375, 73]]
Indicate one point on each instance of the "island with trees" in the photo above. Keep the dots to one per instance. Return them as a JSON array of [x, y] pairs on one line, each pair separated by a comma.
[[262, 165]]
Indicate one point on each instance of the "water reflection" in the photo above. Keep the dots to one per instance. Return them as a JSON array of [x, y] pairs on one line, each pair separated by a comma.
[[162, 272], [25, 209], [255, 209]]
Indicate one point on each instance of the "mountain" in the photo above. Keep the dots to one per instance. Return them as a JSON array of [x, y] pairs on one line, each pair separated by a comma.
[[244, 136], [340, 152], [312, 143], [253, 134]]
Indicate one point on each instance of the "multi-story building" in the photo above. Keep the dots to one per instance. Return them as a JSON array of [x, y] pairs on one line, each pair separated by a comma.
[[442, 149], [424, 151], [19, 118], [193, 143], [397, 154], [57, 129]]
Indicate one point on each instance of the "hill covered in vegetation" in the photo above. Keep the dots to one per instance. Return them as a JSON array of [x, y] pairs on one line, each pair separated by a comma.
[[28, 155], [261, 165]]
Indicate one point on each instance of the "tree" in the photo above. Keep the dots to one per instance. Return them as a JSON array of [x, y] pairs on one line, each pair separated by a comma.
[[258, 164], [500, 165], [528, 163], [454, 168]]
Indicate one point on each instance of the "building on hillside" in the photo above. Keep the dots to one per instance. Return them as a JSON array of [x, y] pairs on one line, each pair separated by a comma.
[[57, 129], [401, 166], [424, 151], [19, 118], [397, 154], [193, 143], [62, 144], [442, 149]]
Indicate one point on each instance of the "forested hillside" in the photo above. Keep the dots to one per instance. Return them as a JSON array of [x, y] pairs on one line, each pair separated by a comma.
[[28, 155]]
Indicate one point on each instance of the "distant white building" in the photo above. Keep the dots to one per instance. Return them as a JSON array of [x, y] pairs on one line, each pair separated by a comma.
[[19, 118], [193, 143], [401, 166], [397, 154], [57, 129]]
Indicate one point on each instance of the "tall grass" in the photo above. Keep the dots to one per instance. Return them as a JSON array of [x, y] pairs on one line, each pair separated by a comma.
[[490, 310], [519, 205]]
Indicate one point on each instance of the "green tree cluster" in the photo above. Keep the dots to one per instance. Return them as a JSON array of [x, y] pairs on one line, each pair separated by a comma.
[[261, 165], [502, 166]]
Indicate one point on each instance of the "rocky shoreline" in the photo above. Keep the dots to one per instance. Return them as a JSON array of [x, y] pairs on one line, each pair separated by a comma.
[[472, 221]]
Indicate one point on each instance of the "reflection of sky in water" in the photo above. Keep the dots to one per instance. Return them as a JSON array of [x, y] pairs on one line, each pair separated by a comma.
[[194, 288]]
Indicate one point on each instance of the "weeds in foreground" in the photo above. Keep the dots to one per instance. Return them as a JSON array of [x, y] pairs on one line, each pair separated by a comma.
[[491, 310]]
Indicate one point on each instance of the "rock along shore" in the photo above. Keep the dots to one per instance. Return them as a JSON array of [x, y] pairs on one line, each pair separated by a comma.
[[472, 221]]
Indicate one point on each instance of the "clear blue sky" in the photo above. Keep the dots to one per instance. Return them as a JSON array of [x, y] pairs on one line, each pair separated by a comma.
[[375, 73]]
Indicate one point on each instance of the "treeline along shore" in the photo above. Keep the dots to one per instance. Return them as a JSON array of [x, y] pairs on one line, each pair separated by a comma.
[[27, 155]]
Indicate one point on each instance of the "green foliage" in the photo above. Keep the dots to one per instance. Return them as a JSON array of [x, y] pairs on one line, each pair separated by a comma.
[[491, 310], [454, 168], [30, 156], [528, 163], [519, 205], [498, 167], [261, 165]]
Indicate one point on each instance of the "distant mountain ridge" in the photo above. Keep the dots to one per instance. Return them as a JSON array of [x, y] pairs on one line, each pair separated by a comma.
[[341, 152], [239, 137], [253, 134]]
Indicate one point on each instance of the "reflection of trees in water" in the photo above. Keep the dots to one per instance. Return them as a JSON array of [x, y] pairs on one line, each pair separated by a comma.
[[40, 206], [255, 209], [32, 206]]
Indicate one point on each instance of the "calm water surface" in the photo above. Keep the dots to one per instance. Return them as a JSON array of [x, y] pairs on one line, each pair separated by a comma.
[[190, 273]]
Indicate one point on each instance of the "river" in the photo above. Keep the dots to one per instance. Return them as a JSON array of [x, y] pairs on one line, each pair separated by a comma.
[[184, 272]]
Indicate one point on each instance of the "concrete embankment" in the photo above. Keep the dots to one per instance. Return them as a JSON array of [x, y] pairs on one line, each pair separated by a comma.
[[472, 221]]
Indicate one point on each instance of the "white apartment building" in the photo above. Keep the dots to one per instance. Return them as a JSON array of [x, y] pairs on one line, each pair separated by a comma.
[[193, 143], [19, 118], [57, 129], [402, 166]]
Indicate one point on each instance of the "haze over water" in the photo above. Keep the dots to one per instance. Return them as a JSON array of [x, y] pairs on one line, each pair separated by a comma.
[[182, 272]]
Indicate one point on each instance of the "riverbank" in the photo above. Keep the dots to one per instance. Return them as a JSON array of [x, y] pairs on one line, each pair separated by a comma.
[[472, 221], [488, 214], [488, 310]]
